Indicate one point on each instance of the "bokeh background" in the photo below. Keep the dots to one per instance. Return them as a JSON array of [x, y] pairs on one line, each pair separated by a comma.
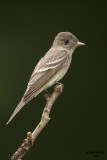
[[78, 123]]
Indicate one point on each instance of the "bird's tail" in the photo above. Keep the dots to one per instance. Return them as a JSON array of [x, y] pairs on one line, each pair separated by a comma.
[[17, 109]]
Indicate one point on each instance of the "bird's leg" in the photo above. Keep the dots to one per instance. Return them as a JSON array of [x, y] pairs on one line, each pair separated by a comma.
[[57, 83], [48, 93]]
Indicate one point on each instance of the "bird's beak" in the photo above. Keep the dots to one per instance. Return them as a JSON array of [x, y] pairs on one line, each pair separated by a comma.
[[79, 44]]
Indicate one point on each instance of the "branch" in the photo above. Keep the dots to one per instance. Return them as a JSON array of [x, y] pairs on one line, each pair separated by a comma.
[[27, 143]]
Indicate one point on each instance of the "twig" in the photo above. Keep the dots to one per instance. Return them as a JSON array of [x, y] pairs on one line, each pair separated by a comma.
[[27, 143]]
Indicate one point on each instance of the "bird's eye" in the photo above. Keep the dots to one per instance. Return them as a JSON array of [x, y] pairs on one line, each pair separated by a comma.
[[66, 41]]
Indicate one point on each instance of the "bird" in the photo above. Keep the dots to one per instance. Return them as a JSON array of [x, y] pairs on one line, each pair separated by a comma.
[[51, 68]]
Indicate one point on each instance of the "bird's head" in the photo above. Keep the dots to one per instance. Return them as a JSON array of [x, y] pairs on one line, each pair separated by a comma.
[[66, 40]]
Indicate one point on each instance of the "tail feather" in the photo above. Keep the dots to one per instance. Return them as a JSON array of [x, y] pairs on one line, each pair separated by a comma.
[[17, 109]]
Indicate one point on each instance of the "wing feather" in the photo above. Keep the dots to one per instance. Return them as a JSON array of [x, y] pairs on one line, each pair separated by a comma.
[[43, 73]]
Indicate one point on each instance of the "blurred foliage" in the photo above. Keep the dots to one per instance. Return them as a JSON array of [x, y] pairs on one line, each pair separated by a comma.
[[78, 118]]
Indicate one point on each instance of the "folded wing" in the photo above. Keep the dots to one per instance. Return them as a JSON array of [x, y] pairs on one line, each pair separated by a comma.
[[44, 71]]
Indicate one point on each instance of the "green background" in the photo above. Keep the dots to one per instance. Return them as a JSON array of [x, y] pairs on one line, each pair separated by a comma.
[[79, 116]]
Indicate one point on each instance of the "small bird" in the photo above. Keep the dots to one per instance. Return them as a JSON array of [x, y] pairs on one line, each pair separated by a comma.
[[51, 68]]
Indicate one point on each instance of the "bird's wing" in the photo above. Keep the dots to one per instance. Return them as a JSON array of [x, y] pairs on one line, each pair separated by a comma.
[[47, 67]]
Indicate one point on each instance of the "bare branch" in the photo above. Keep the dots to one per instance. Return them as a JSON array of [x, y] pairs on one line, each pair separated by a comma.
[[27, 143]]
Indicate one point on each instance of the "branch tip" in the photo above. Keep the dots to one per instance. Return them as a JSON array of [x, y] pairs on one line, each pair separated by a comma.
[[59, 88]]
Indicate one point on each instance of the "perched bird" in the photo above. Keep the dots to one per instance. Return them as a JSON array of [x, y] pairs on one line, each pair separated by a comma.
[[51, 68]]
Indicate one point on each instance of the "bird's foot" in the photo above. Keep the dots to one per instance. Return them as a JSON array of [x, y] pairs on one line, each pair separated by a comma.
[[57, 83], [59, 86]]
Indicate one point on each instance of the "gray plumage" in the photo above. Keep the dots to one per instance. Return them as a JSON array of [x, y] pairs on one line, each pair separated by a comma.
[[51, 68]]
